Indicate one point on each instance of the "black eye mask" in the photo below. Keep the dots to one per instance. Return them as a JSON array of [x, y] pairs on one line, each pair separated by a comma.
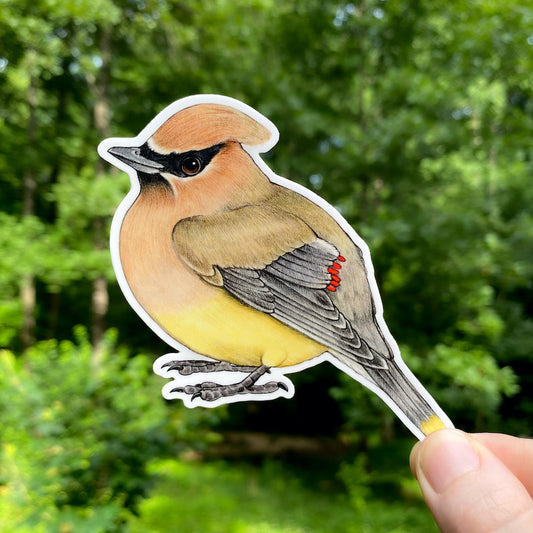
[[185, 164]]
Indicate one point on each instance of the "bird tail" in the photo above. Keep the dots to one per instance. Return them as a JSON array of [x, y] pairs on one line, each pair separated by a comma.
[[404, 394]]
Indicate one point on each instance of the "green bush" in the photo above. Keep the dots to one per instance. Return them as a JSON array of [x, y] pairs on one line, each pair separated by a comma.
[[78, 432]]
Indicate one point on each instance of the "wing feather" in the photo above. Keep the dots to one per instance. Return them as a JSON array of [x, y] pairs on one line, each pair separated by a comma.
[[292, 289], [247, 287]]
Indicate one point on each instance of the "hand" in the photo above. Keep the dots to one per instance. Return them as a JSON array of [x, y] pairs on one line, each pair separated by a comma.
[[477, 483]]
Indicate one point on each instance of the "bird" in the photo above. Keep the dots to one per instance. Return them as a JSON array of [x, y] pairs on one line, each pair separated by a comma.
[[249, 275]]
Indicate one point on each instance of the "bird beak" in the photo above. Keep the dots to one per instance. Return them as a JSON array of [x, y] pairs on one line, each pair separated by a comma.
[[131, 155]]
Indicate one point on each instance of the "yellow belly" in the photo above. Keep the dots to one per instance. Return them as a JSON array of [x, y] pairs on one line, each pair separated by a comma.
[[227, 330]]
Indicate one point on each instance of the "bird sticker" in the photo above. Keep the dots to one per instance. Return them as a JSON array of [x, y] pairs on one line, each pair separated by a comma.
[[248, 275]]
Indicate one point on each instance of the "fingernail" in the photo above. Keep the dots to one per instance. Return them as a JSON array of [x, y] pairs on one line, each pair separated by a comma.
[[446, 456]]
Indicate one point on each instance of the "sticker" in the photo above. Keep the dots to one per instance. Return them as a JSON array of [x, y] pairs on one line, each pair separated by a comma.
[[248, 275]]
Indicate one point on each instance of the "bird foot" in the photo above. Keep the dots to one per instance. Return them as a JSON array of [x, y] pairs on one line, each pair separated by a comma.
[[209, 391], [186, 368]]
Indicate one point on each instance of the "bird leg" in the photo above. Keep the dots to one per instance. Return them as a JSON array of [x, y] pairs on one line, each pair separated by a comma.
[[209, 391], [195, 366]]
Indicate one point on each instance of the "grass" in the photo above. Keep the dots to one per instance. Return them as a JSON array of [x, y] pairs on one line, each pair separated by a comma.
[[224, 497]]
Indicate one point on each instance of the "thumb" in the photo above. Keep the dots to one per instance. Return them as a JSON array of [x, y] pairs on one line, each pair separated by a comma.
[[467, 488]]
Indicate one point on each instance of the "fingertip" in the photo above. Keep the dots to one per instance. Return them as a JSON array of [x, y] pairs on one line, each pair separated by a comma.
[[445, 456], [466, 487], [426, 443]]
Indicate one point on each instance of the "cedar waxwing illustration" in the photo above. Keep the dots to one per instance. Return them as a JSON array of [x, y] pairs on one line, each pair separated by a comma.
[[248, 275]]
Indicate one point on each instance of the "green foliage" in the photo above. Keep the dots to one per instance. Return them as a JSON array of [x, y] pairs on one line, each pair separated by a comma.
[[357, 480], [240, 498], [77, 437]]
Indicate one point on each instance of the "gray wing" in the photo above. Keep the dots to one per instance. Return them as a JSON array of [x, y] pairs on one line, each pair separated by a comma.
[[296, 289]]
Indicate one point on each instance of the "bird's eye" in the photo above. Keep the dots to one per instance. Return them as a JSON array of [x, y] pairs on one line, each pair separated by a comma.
[[188, 164], [191, 166]]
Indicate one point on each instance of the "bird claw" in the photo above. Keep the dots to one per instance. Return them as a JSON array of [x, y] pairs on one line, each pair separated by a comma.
[[181, 366], [188, 367], [209, 391]]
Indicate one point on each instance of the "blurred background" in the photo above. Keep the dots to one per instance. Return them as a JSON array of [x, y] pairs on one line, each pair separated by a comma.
[[413, 118]]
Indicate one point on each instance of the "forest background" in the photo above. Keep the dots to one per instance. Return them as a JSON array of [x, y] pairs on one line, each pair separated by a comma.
[[413, 118]]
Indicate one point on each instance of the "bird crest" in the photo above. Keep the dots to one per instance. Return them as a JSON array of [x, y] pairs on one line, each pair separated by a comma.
[[247, 275]]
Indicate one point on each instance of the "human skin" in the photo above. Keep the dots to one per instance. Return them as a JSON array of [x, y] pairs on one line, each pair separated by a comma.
[[476, 483]]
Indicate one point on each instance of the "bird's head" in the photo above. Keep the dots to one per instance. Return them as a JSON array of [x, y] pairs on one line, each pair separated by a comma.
[[205, 141]]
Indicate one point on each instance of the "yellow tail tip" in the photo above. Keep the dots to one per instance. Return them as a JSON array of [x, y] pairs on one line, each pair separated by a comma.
[[432, 424]]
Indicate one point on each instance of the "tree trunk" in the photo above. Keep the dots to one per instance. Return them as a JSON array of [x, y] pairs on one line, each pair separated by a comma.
[[100, 297], [27, 286], [29, 183], [27, 297]]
